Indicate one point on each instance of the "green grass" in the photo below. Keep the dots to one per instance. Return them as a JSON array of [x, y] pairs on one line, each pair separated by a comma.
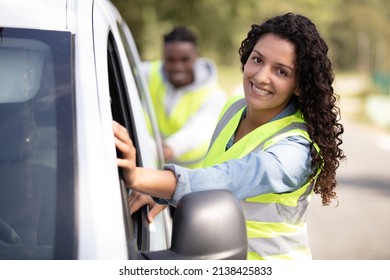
[[230, 78]]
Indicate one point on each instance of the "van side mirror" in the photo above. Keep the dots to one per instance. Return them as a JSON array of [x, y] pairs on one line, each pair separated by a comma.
[[207, 225]]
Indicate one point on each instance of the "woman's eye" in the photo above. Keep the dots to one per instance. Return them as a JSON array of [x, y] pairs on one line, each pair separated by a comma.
[[257, 60], [282, 72]]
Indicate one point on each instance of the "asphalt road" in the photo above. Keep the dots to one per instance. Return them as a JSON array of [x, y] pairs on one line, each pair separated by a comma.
[[359, 227]]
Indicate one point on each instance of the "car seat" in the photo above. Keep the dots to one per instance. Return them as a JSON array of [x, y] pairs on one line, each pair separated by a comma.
[[27, 186]]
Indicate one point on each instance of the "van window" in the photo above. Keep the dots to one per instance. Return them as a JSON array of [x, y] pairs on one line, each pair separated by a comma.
[[36, 144], [137, 229]]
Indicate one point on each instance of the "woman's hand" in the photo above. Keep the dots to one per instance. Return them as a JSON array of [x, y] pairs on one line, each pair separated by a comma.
[[136, 200], [124, 144], [158, 183]]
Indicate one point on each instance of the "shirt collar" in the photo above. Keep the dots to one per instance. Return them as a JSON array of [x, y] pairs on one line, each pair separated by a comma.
[[290, 109]]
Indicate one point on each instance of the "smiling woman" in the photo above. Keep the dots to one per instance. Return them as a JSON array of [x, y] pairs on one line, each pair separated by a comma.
[[65, 74], [271, 149]]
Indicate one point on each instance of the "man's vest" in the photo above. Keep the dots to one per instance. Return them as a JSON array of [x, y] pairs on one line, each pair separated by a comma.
[[188, 105], [276, 226]]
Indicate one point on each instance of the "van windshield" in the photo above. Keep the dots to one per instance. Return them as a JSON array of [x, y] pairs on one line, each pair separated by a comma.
[[36, 144]]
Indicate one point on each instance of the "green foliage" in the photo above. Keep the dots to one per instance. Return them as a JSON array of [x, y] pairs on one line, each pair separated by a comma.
[[222, 24]]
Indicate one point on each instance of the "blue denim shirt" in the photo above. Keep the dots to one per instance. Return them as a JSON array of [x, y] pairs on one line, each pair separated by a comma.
[[284, 167]]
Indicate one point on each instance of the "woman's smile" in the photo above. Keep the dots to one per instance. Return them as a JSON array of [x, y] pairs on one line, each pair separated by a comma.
[[260, 91]]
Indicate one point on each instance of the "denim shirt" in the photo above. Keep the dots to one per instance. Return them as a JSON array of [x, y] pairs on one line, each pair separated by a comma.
[[283, 167]]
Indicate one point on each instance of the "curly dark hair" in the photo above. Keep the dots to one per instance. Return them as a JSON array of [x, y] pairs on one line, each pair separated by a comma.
[[317, 99]]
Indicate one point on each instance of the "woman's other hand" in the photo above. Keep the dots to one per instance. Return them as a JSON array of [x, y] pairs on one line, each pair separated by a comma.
[[136, 200]]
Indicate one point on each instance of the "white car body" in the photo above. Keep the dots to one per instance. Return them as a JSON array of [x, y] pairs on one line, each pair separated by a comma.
[[72, 66], [97, 172]]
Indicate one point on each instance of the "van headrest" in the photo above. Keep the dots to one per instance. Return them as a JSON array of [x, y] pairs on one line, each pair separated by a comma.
[[21, 68]]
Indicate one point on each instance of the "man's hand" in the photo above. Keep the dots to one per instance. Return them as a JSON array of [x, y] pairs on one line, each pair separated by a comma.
[[168, 153], [136, 200]]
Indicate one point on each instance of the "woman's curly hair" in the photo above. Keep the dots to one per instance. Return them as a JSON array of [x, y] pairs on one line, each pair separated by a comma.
[[317, 100]]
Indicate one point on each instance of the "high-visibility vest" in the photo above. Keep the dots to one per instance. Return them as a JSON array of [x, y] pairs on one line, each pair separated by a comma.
[[276, 226], [188, 105]]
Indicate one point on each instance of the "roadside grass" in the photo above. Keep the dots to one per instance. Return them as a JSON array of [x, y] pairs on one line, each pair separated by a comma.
[[230, 78], [361, 101]]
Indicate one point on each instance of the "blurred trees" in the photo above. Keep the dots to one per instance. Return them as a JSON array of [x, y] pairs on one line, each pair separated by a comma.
[[356, 30]]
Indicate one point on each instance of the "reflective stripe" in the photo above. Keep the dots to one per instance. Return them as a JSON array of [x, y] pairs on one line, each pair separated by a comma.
[[257, 229], [294, 129], [234, 108], [298, 254], [217, 148], [275, 212], [283, 244], [288, 199]]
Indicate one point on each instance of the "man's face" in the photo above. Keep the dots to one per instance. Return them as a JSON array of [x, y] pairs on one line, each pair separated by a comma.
[[179, 59]]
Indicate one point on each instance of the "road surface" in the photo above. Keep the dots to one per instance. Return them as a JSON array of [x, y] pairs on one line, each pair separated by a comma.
[[359, 227]]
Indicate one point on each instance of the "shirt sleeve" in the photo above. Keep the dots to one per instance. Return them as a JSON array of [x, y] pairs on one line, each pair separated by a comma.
[[284, 167]]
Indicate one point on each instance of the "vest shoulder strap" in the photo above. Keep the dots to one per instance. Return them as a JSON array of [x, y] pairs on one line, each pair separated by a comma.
[[232, 106]]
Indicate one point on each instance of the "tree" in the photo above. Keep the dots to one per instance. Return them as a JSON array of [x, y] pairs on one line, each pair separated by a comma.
[[222, 24]]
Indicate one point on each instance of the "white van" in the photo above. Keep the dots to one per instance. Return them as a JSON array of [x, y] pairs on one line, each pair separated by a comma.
[[67, 69]]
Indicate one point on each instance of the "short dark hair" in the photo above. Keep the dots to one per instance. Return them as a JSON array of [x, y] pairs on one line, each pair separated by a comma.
[[180, 34]]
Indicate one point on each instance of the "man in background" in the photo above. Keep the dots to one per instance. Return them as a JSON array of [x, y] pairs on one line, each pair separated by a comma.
[[186, 97]]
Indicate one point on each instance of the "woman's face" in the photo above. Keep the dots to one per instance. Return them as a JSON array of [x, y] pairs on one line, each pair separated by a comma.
[[269, 77], [179, 59]]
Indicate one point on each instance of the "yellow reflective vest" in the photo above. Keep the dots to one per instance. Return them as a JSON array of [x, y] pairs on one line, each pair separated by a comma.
[[276, 226], [188, 105]]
